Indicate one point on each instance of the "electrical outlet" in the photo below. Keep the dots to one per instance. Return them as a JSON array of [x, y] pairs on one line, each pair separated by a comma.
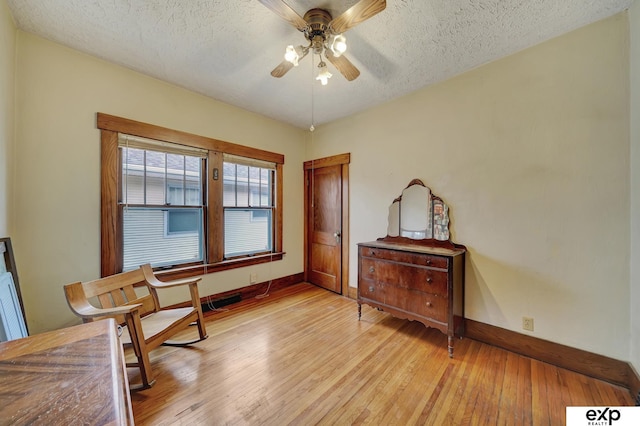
[[253, 278], [527, 323]]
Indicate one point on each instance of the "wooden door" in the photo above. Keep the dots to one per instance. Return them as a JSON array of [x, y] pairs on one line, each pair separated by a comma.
[[325, 240]]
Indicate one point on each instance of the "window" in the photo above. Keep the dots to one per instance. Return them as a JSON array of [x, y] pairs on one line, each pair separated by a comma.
[[248, 194], [162, 194], [177, 200]]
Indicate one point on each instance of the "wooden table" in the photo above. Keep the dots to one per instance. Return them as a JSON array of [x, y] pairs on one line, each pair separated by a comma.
[[70, 376]]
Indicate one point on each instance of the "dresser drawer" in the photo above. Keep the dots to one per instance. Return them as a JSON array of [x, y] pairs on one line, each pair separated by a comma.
[[369, 289], [404, 276], [430, 306], [421, 259]]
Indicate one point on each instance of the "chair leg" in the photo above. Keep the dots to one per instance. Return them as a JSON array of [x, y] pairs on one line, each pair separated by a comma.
[[145, 372], [201, 330], [140, 350], [201, 327], [195, 298]]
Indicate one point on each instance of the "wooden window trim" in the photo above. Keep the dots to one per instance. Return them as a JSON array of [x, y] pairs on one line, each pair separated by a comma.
[[111, 213]]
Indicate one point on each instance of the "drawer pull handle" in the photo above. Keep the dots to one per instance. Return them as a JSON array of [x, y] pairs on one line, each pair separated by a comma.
[[428, 261], [429, 280], [429, 304], [371, 288], [373, 253], [371, 269]]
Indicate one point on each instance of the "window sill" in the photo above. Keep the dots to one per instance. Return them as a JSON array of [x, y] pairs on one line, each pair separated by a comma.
[[196, 270]]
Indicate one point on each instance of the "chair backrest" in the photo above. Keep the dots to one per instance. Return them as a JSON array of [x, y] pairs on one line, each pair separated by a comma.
[[119, 290]]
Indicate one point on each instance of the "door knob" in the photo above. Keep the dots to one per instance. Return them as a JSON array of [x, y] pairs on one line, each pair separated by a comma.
[[337, 235]]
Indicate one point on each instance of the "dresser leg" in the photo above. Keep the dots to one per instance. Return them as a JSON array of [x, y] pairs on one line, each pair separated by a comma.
[[359, 311], [450, 346]]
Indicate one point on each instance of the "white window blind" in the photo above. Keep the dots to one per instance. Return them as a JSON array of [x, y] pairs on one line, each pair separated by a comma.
[[245, 161]]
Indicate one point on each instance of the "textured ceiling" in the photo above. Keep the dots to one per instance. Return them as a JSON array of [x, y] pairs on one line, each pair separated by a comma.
[[226, 49]]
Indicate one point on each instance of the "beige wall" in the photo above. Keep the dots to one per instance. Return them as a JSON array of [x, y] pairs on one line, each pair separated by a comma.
[[634, 19], [57, 228], [531, 153], [7, 98]]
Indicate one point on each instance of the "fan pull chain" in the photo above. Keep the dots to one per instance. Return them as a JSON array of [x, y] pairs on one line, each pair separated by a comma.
[[312, 127]]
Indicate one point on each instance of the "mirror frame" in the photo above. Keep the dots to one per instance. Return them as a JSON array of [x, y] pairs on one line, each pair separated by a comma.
[[395, 237]]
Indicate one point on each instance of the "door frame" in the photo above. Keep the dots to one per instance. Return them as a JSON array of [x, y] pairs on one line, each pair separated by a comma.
[[309, 166]]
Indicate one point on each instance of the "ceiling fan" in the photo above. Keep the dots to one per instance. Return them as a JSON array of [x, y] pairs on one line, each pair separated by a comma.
[[324, 34]]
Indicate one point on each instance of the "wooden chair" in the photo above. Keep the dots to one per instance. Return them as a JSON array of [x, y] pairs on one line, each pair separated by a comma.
[[145, 325]]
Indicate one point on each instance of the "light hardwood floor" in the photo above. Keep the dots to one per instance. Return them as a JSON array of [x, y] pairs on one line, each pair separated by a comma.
[[300, 356]]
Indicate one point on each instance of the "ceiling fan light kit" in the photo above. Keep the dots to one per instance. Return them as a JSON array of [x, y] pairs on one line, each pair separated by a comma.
[[294, 54], [338, 44], [325, 36], [323, 73]]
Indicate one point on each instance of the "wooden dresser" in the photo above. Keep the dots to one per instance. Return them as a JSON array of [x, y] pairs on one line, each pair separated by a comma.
[[75, 375], [415, 272], [409, 281]]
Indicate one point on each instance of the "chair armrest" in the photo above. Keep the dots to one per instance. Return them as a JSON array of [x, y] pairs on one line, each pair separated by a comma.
[[154, 282], [90, 311]]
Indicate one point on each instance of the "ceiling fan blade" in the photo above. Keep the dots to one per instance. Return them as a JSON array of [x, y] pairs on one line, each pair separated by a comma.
[[281, 69], [346, 68], [285, 66], [358, 13], [284, 11]]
